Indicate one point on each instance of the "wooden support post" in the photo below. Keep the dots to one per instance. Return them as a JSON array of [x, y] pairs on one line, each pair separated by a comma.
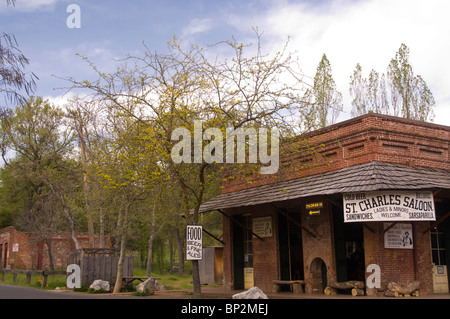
[[44, 279]]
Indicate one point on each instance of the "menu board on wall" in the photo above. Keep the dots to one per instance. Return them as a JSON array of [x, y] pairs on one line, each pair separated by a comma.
[[262, 226], [399, 236]]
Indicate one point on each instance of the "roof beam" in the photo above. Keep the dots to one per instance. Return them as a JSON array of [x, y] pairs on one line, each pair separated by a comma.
[[240, 225], [436, 223], [285, 214]]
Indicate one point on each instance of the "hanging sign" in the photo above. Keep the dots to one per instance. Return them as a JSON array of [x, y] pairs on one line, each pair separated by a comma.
[[399, 236], [314, 208], [194, 242], [389, 206]]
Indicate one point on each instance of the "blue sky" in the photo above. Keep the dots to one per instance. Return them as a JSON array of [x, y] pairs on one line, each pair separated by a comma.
[[368, 32]]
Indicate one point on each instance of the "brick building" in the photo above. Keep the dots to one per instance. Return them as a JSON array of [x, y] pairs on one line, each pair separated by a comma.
[[33, 250], [373, 190]]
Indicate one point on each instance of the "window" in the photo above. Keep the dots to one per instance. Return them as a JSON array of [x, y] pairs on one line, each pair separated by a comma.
[[437, 247]]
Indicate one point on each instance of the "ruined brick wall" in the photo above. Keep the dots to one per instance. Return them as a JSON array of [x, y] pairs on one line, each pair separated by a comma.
[[33, 250]]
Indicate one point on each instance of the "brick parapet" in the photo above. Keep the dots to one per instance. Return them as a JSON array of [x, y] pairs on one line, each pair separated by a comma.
[[371, 137]]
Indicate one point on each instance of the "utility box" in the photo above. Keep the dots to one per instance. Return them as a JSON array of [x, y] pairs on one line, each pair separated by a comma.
[[211, 266]]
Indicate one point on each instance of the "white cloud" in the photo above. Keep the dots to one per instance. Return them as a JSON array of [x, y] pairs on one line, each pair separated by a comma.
[[32, 5], [197, 26], [366, 32]]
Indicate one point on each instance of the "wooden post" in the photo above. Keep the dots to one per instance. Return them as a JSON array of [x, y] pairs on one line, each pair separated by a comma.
[[28, 277], [44, 279]]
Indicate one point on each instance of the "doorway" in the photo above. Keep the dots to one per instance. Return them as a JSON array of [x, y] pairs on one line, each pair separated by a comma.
[[440, 248], [242, 252], [318, 275], [290, 245], [349, 248]]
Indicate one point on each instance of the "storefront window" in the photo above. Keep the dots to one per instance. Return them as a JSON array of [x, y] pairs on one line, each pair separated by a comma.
[[437, 247]]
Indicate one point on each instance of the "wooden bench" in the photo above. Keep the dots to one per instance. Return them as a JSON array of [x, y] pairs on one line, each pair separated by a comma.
[[296, 286]]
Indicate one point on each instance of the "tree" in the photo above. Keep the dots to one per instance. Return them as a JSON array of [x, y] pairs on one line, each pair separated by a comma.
[[12, 76], [35, 138], [186, 89], [323, 99], [410, 91], [400, 92]]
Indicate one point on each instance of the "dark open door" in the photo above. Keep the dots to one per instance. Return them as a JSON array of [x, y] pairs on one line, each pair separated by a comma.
[[238, 256]]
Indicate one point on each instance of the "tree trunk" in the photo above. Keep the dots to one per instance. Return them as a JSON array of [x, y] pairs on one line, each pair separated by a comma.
[[72, 227], [357, 292], [149, 257], [330, 291], [347, 284], [150, 242], [118, 284], [407, 290], [169, 238], [67, 212], [85, 184], [180, 246], [102, 230], [50, 255]]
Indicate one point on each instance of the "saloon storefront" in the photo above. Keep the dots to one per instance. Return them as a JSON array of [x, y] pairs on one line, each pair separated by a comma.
[[374, 192]]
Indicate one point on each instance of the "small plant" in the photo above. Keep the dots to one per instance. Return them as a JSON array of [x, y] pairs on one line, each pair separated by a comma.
[[141, 293], [98, 291]]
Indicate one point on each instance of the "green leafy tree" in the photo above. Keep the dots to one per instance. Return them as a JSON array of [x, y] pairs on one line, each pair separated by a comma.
[[398, 92], [183, 86], [35, 145], [323, 100]]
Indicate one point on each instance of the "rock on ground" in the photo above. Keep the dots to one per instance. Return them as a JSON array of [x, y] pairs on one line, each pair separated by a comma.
[[147, 286], [100, 284], [252, 293]]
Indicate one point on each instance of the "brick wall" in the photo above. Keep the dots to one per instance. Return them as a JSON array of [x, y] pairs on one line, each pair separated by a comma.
[[360, 140], [402, 266], [33, 250]]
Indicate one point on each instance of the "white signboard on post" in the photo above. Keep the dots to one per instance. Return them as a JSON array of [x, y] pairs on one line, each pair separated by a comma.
[[389, 206], [194, 242], [15, 247]]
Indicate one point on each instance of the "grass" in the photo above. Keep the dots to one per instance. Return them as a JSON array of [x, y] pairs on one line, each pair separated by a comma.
[[170, 281], [36, 281]]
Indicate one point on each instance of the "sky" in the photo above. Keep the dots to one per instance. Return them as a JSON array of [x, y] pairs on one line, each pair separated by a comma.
[[368, 32]]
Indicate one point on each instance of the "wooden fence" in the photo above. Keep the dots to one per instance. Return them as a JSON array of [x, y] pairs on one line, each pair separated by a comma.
[[100, 264], [94, 264], [43, 273]]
